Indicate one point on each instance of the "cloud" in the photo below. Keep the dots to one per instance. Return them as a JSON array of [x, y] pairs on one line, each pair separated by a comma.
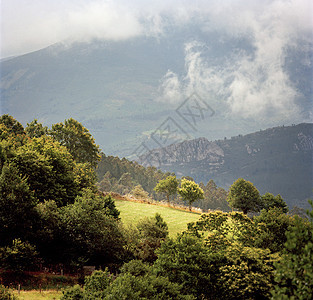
[[31, 25], [252, 79]]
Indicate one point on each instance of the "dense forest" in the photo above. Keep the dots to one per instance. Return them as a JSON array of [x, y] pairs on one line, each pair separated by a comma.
[[53, 215]]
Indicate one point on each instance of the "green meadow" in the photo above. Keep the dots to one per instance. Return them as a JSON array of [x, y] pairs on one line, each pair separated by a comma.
[[177, 220]]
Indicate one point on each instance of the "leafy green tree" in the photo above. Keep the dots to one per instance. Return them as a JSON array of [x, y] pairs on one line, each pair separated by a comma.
[[139, 193], [35, 129], [91, 232], [190, 191], [243, 195], [17, 205], [77, 139], [12, 125], [269, 201], [127, 286], [73, 293], [6, 294], [50, 170], [19, 257], [294, 272], [168, 186], [151, 232], [272, 224], [96, 284], [187, 261], [248, 273]]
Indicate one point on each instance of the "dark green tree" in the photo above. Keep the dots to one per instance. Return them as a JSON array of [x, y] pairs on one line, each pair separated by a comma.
[[77, 139], [17, 206], [243, 195], [270, 201], [167, 186], [272, 225], [294, 272]]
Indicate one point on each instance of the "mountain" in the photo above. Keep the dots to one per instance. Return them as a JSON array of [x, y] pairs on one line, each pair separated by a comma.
[[122, 91], [277, 160]]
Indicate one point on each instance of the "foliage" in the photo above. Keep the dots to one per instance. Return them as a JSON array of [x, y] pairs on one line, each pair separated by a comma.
[[77, 139], [18, 257], [243, 195], [127, 286], [50, 170], [13, 126], [186, 260], [91, 233], [273, 224], [136, 268], [17, 205], [6, 294], [214, 197], [96, 283], [248, 273], [151, 232], [270, 201], [294, 272], [35, 129], [111, 169], [190, 191], [168, 186], [139, 193], [73, 293]]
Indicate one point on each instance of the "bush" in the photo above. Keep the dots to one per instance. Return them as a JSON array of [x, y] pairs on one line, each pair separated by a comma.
[[5, 293], [73, 293]]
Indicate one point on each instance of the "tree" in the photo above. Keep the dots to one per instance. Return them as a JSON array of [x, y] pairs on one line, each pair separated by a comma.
[[17, 205], [51, 172], [35, 129], [168, 186], [270, 201], [243, 195], [77, 139], [151, 232], [273, 224], [12, 125], [190, 191], [187, 261], [91, 231], [19, 257], [139, 193], [294, 272]]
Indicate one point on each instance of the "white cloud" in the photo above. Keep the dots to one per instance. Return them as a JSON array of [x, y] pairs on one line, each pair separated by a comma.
[[251, 83]]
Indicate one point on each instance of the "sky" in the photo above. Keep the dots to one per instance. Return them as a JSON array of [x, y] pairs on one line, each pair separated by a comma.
[[250, 83], [28, 25]]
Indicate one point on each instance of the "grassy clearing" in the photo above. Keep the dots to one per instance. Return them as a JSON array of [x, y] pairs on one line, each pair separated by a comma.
[[132, 212], [36, 295]]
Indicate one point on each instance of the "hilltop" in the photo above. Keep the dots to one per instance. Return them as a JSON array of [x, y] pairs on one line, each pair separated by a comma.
[[276, 160]]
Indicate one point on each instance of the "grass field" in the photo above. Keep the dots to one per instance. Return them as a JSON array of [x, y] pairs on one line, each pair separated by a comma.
[[36, 295], [132, 212]]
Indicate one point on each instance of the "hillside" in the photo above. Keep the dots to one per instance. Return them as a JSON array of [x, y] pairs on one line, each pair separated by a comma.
[[177, 220], [276, 160], [122, 90]]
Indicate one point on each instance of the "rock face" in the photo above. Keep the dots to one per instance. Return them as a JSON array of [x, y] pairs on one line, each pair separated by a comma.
[[277, 160], [186, 152]]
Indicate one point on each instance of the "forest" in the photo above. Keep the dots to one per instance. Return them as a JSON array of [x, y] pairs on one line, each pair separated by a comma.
[[55, 217]]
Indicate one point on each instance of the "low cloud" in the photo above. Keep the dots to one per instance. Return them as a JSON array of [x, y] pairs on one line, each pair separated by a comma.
[[251, 80]]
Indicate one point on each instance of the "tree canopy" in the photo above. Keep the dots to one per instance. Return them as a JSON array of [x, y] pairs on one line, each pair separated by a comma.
[[244, 195], [190, 191], [167, 186]]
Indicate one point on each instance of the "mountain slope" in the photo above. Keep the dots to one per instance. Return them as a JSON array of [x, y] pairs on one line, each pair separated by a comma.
[[124, 90], [276, 160]]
